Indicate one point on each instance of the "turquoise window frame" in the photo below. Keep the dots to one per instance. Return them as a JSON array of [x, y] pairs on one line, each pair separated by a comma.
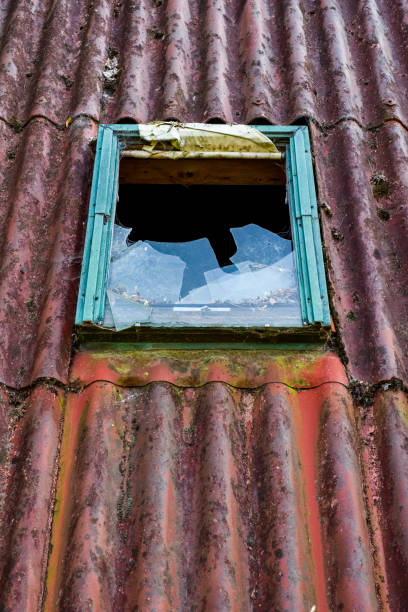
[[112, 139]]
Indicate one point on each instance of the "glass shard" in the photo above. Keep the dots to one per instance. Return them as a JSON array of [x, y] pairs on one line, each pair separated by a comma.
[[259, 245], [165, 283], [119, 244], [198, 257], [127, 311], [142, 273], [251, 284]]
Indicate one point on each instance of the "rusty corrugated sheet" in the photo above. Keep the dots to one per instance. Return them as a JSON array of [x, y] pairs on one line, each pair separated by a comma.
[[30, 430], [230, 482], [45, 179], [340, 64], [214, 497], [235, 60]]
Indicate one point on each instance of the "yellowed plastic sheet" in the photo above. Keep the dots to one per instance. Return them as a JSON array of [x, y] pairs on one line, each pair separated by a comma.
[[201, 137]]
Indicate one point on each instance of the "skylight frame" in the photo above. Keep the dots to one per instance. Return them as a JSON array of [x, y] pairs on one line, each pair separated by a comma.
[[112, 139]]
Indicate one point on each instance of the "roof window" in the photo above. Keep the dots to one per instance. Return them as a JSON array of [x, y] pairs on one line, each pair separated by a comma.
[[204, 226]]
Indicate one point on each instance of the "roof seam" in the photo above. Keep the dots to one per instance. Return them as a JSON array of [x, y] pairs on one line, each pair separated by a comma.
[[54, 384], [375, 126], [361, 391], [19, 126]]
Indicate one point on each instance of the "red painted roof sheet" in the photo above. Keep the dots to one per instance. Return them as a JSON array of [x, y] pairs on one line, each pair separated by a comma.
[[235, 483], [208, 497], [342, 65]]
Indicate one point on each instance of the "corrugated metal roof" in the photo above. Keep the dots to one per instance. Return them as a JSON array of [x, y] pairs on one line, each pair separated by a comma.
[[237, 489], [233, 60], [343, 65], [212, 497]]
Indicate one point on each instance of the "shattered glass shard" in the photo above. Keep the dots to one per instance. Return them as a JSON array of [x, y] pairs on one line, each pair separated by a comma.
[[259, 245], [197, 255], [250, 284], [147, 276], [142, 273], [126, 312], [119, 244]]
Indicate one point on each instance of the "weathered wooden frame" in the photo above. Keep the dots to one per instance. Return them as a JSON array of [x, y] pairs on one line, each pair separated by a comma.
[[112, 139]]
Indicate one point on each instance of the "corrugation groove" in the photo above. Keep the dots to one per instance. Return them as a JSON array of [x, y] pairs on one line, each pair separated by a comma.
[[29, 451]]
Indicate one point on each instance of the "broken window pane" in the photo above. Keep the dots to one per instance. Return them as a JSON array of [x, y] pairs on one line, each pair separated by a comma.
[[258, 245], [119, 241], [182, 283], [143, 273]]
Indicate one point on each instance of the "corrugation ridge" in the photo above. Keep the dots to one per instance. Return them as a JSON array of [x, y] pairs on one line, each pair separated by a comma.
[[361, 213], [65, 267], [22, 16], [33, 442], [87, 94], [261, 74], [347, 546], [382, 56], [84, 541], [152, 504], [215, 76], [133, 41], [34, 215], [346, 93], [177, 60], [282, 567], [389, 473], [300, 80], [356, 231], [220, 555]]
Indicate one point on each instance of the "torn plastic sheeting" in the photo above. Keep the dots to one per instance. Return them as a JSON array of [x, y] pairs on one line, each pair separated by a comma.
[[199, 137], [150, 152]]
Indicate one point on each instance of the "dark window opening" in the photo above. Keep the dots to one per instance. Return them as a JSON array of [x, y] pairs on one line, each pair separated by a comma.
[[178, 213]]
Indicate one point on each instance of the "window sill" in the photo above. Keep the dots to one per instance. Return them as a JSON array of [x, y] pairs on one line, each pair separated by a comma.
[[206, 337]]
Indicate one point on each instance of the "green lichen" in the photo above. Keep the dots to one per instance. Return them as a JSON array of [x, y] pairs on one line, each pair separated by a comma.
[[380, 185]]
